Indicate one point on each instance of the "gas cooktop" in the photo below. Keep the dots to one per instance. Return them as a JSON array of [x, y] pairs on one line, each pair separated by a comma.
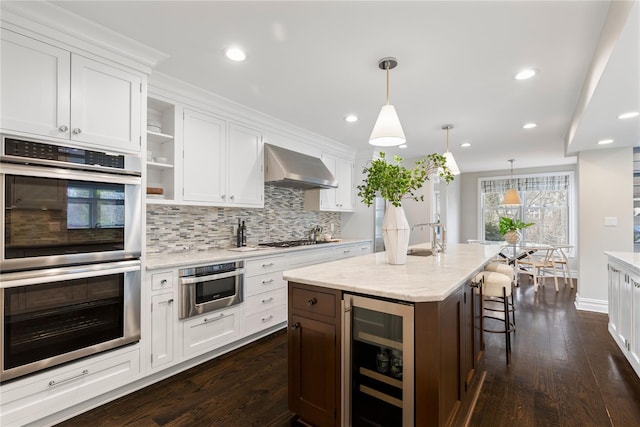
[[290, 243]]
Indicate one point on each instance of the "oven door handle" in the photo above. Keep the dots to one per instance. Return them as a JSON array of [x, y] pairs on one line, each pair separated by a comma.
[[126, 177], [34, 277], [192, 280]]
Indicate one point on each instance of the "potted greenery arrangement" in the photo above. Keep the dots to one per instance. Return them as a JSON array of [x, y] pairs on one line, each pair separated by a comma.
[[393, 182], [509, 228]]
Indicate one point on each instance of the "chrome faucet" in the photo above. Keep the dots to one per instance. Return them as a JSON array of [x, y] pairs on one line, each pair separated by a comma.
[[437, 229]]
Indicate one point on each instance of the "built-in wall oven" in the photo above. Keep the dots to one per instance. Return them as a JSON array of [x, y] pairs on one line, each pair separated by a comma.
[[70, 253], [210, 287], [57, 315], [64, 205]]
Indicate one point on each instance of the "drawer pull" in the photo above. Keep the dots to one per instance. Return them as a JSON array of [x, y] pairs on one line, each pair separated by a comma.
[[81, 374], [267, 301], [267, 265], [295, 325], [312, 301], [266, 282], [207, 319], [170, 301], [267, 319]]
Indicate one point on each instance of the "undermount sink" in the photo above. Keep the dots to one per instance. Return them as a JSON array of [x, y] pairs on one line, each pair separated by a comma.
[[420, 252]]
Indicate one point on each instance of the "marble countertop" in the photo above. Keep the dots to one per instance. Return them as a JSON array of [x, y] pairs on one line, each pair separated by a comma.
[[191, 258], [630, 259], [421, 279]]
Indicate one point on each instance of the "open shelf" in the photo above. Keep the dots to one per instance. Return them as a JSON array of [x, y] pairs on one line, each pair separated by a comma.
[[158, 138]]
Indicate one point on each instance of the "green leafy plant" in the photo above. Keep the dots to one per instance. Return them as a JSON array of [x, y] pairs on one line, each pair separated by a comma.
[[511, 224], [393, 181]]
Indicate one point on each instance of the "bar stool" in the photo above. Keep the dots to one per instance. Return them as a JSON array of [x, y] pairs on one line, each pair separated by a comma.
[[495, 289], [508, 271]]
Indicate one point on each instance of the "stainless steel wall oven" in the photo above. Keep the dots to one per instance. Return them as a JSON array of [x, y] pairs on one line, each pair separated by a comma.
[[70, 255], [57, 315], [64, 206]]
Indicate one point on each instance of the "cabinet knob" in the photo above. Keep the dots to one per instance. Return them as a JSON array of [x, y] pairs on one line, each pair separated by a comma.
[[232, 197], [170, 301], [163, 282], [77, 131], [311, 301], [63, 128], [224, 196], [295, 325]]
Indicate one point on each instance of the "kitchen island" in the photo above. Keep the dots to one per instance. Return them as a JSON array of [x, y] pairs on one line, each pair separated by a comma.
[[438, 338]]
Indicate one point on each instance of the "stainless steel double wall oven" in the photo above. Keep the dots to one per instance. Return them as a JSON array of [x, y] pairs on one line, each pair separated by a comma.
[[70, 255]]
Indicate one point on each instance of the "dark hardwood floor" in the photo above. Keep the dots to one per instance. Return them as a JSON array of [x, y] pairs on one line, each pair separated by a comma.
[[566, 370]]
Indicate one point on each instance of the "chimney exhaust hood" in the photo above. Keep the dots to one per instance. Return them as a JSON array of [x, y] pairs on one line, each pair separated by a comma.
[[286, 168]]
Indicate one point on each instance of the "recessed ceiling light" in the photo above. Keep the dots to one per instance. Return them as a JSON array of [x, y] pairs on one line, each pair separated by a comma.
[[351, 118], [465, 144], [402, 146], [235, 54], [525, 74], [628, 115], [605, 141], [529, 125]]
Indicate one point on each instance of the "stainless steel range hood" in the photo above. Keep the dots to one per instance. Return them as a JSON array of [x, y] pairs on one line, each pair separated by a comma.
[[286, 168]]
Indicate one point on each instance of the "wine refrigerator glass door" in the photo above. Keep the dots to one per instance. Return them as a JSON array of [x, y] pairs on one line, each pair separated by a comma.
[[378, 364]]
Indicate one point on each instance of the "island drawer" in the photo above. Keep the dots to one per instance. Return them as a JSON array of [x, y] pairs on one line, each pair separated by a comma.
[[313, 301]]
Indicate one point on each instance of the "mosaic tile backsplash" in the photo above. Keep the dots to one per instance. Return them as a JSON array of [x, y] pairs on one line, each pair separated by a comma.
[[176, 228]]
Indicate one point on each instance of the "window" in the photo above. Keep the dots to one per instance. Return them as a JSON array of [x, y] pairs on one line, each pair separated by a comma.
[[91, 206], [547, 201]]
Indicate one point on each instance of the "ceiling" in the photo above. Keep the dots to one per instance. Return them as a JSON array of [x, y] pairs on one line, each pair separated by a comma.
[[312, 63]]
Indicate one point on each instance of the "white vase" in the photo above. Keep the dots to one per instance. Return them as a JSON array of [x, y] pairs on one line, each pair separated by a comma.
[[395, 233]]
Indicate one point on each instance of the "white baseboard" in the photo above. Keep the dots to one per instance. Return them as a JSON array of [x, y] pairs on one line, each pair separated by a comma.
[[587, 304]]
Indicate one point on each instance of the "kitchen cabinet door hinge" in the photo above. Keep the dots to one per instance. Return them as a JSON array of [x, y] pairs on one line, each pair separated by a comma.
[[140, 87]]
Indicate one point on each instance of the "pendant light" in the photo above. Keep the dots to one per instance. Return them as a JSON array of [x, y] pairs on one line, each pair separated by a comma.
[[511, 196], [448, 155], [387, 132]]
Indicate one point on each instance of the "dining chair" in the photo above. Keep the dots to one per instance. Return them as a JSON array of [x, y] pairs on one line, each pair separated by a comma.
[[539, 264], [561, 261]]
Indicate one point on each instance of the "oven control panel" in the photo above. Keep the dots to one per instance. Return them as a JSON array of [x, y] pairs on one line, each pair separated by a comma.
[[39, 150]]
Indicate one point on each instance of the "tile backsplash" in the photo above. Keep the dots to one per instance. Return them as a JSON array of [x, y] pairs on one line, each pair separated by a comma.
[[176, 228]]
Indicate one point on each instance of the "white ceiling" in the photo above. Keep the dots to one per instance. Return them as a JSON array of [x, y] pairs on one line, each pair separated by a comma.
[[312, 63]]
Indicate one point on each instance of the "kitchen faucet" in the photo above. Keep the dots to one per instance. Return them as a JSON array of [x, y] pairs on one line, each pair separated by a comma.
[[437, 228]]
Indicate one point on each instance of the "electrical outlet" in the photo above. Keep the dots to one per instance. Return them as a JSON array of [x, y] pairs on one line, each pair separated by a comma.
[[331, 227], [610, 221]]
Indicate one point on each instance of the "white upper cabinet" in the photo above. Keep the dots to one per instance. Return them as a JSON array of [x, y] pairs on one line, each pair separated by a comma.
[[223, 162], [35, 86], [204, 176], [47, 91], [246, 166], [339, 199], [105, 105]]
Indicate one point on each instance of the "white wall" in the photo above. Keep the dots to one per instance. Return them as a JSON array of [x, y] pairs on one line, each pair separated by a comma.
[[605, 189]]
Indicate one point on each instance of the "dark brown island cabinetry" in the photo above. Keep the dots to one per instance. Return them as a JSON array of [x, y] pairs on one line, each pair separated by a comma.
[[447, 356], [314, 354]]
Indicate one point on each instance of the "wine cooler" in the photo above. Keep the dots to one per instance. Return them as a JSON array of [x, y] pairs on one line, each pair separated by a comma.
[[377, 362]]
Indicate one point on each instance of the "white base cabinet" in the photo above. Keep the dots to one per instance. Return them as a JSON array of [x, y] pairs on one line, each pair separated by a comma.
[[265, 293], [40, 395], [212, 330], [624, 310]]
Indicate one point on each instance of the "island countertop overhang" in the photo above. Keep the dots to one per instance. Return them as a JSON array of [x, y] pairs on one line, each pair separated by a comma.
[[421, 279]]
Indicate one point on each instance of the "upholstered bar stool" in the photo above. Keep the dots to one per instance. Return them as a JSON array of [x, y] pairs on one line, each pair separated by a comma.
[[510, 272], [495, 289]]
